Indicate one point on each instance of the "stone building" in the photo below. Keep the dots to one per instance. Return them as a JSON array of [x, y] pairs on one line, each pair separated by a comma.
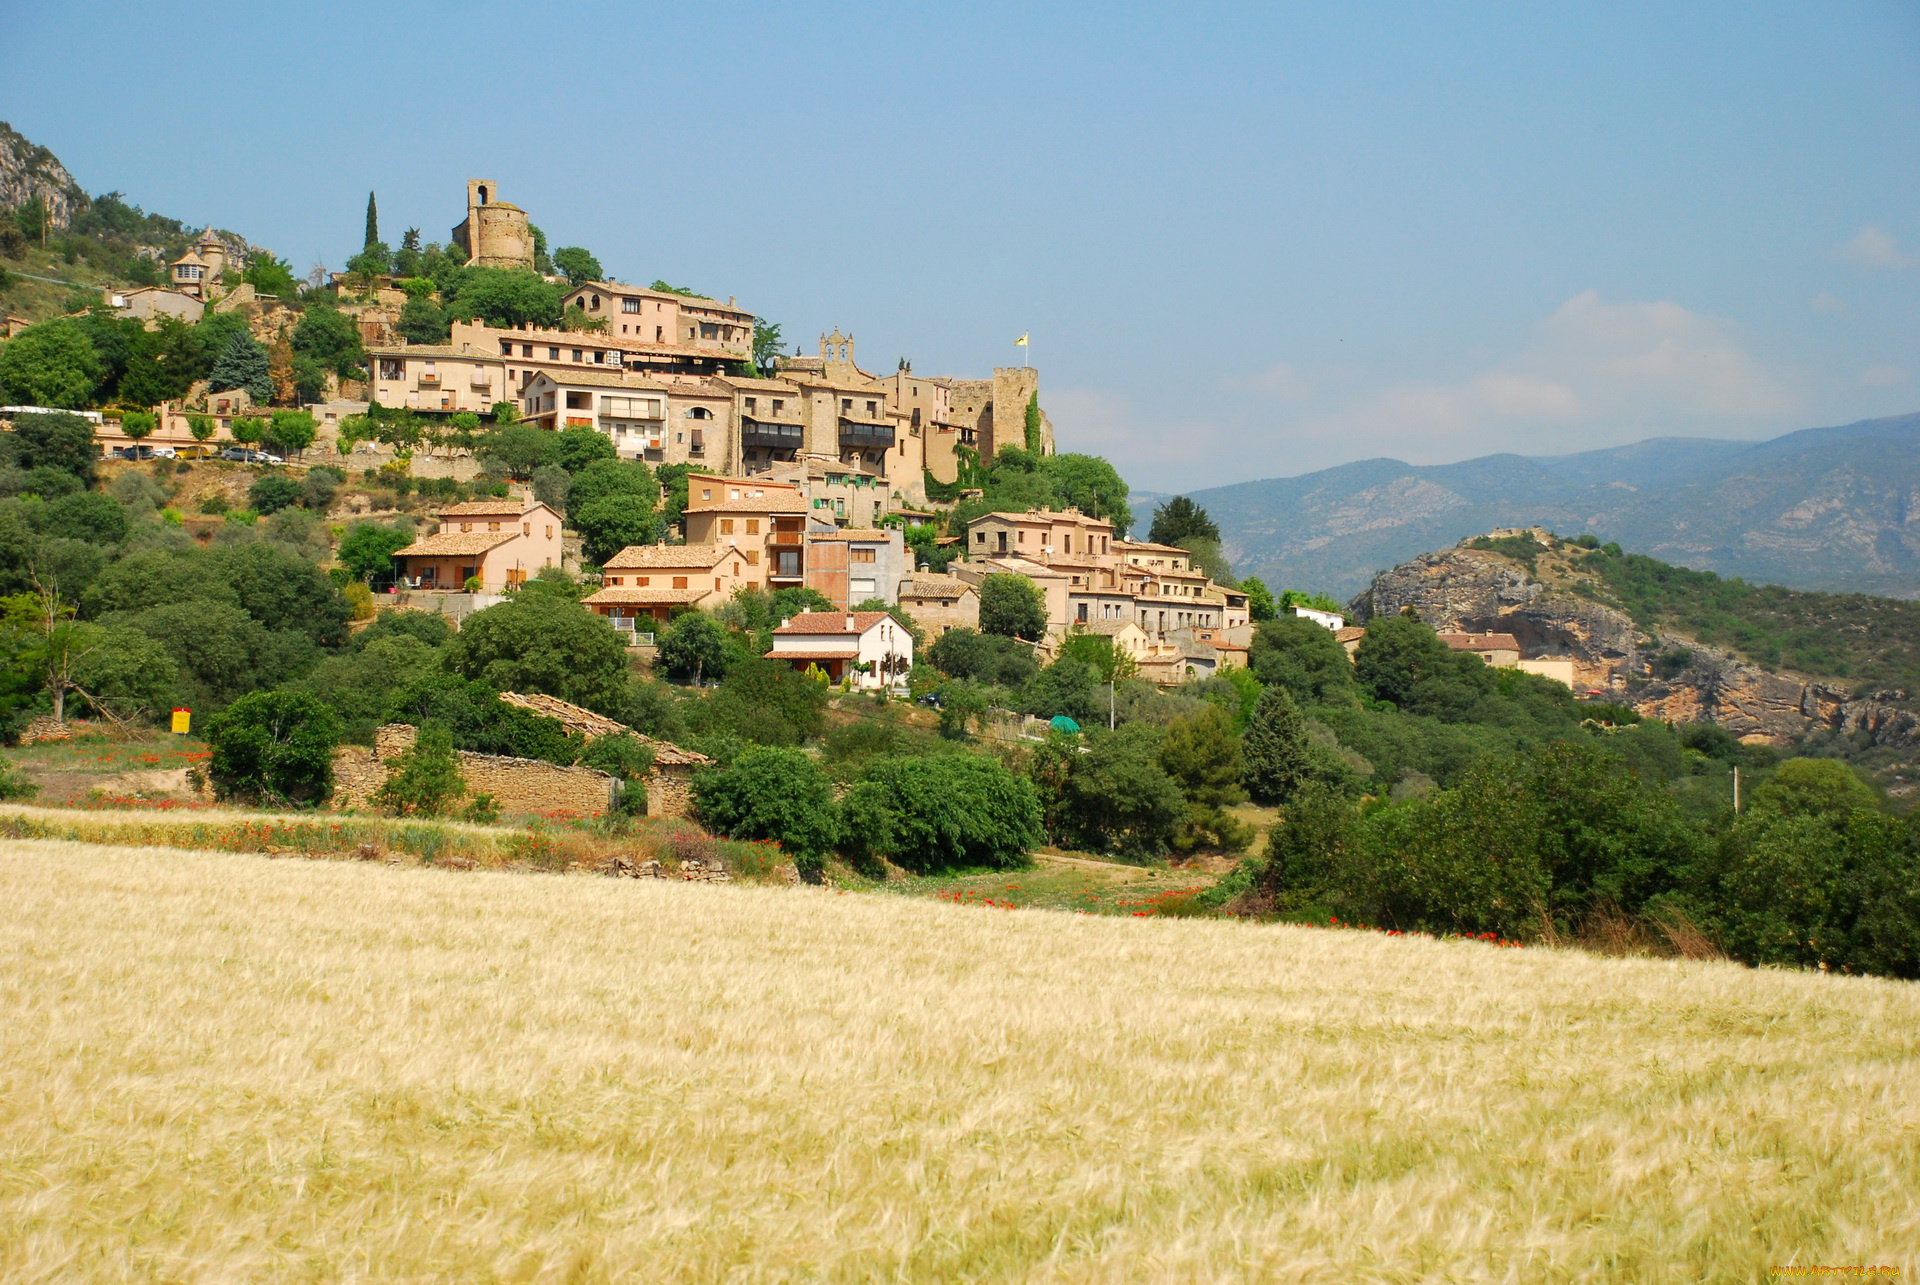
[[851, 566], [642, 314], [197, 272], [766, 520], [501, 542], [651, 581], [495, 234], [437, 377]]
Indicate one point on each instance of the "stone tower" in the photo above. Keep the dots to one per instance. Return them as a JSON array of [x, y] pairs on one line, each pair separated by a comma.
[[1013, 388], [495, 233]]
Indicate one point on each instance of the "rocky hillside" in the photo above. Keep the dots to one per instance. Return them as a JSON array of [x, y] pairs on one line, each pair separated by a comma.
[[1552, 601], [28, 171], [1826, 509]]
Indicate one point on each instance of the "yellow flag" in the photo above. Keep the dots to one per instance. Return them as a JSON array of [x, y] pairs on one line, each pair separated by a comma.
[[1021, 342]]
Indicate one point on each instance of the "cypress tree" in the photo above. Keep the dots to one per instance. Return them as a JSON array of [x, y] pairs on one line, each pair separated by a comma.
[[373, 221], [243, 365], [1276, 754], [1033, 423]]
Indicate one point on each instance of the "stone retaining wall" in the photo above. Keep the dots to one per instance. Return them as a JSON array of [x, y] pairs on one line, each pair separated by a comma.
[[516, 784]]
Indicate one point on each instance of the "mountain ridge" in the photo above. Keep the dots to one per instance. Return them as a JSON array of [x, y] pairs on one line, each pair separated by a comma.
[[1833, 508]]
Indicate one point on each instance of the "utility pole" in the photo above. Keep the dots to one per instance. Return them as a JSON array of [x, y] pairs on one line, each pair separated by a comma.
[[1109, 702], [1736, 789]]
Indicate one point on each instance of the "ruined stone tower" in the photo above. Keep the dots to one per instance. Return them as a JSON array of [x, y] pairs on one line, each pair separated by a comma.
[[495, 233]]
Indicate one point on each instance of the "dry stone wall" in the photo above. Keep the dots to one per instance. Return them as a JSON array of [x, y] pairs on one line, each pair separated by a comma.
[[516, 784]]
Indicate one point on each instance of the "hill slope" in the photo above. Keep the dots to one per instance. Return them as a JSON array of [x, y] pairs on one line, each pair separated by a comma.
[[231, 1067], [1825, 508]]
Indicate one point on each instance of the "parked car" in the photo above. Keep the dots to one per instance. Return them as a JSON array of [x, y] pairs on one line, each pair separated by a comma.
[[141, 451], [243, 455], [193, 452]]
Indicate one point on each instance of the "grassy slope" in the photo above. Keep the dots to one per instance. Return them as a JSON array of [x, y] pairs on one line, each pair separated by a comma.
[[221, 1067]]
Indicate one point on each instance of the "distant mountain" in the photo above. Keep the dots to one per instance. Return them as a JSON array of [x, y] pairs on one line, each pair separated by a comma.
[[1834, 509]]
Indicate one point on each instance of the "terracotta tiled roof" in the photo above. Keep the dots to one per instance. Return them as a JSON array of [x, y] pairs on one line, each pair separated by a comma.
[[434, 350], [935, 587], [1055, 515], [575, 719], [747, 384], [772, 500], [1148, 546], [450, 545], [511, 506], [1107, 627], [831, 622], [697, 556], [622, 596], [777, 654], [597, 377], [1347, 633], [1481, 642], [863, 534]]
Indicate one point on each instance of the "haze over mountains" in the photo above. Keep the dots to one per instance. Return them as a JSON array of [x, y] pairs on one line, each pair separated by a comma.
[[1834, 509]]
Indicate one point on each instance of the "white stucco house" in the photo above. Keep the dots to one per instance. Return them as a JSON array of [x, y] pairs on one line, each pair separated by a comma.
[[870, 646]]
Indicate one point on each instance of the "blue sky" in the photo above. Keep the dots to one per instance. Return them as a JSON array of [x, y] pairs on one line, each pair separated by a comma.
[[1247, 240]]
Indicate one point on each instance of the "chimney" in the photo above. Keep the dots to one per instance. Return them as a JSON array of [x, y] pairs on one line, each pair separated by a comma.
[[850, 624]]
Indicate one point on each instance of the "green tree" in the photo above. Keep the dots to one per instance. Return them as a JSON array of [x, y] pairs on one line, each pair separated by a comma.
[[506, 297], [271, 276], [575, 448], [578, 266], [1181, 519], [986, 658], [517, 449], [1295, 653], [243, 365], [693, 649], [1277, 752], [1032, 424], [1090, 484], [62, 442], [551, 483], [330, 339], [1066, 687], [137, 424], [1260, 604], [613, 523], [367, 549], [422, 322], [1119, 799], [776, 794], [1012, 606], [1202, 755], [51, 364], [945, 812], [1823, 788], [426, 780], [87, 515], [273, 492], [542, 640], [127, 675], [373, 223], [766, 347], [294, 430], [202, 427], [273, 748]]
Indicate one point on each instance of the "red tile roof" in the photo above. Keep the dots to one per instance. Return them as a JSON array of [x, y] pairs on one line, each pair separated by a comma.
[[831, 622]]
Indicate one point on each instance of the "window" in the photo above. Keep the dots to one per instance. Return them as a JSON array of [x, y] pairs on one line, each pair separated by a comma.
[[506, 348], [753, 526], [466, 526], [706, 493], [753, 557], [862, 588], [916, 417], [643, 581], [553, 354], [615, 580], [579, 401], [549, 531], [979, 537], [860, 555], [751, 405], [526, 528], [846, 404], [679, 582], [870, 409], [576, 354], [526, 350], [596, 304], [629, 305], [493, 526], [726, 526], [779, 404], [659, 334]]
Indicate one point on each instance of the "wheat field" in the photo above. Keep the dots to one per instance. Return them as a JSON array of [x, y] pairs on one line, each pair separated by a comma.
[[226, 1067]]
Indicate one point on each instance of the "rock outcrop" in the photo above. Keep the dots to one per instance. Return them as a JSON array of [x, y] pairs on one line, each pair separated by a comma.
[[28, 170], [1660, 674]]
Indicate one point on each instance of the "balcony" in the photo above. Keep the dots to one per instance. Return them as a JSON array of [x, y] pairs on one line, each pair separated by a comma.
[[867, 437], [779, 437], [429, 379], [482, 379]]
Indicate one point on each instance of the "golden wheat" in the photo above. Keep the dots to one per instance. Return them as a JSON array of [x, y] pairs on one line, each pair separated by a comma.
[[224, 1067]]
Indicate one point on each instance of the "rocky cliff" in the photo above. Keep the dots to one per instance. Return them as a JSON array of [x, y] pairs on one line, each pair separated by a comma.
[[28, 170], [1660, 674]]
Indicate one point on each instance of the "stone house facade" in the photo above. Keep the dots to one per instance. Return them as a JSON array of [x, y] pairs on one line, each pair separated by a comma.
[[649, 582], [504, 542]]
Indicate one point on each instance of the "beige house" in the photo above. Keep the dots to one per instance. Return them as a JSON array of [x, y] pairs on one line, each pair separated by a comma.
[[1043, 535], [1502, 651], [851, 566], [147, 304], [772, 423], [869, 647], [531, 349], [662, 317], [766, 520], [1053, 584], [1129, 639], [650, 582], [437, 377], [502, 542], [940, 603], [847, 419]]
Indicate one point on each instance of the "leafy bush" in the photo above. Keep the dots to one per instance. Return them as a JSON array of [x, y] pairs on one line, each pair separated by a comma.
[[952, 811], [427, 779], [274, 748], [777, 794], [273, 492], [1117, 798]]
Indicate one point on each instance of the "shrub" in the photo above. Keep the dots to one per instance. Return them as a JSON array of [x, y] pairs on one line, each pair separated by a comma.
[[777, 794], [274, 747], [693, 649], [273, 492], [946, 812], [1118, 798], [427, 779]]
